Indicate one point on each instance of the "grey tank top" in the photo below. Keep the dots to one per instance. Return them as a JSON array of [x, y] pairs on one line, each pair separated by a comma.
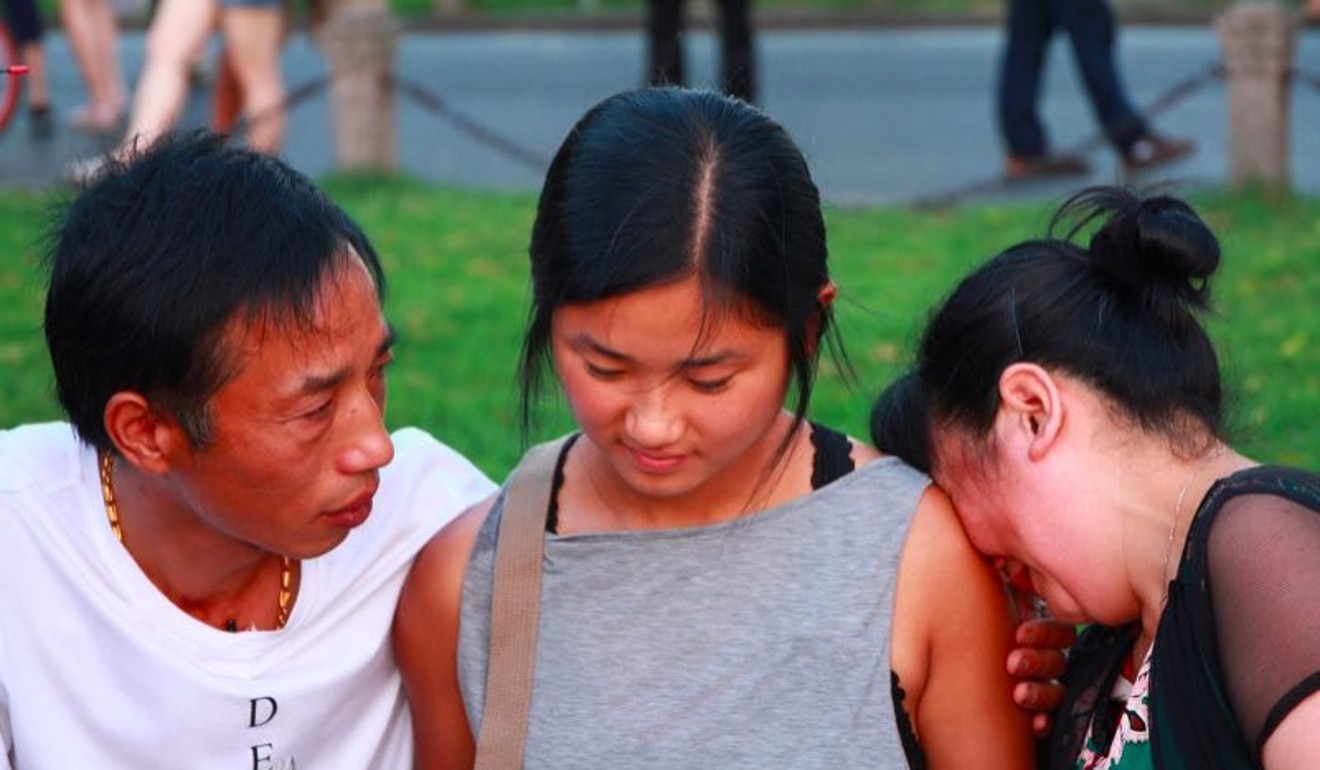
[[761, 642]]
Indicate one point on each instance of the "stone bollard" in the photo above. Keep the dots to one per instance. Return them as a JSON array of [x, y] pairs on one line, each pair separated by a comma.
[[1258, 40], [358, 41]]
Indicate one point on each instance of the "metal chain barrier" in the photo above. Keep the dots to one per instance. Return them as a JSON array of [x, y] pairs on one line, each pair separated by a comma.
[[292, 99], [483, 134], [434, 104], [428, 100]]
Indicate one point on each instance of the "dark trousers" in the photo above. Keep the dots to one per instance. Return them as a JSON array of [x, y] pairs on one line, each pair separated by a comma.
[[736, 55], [1091, 30], [24, 21]]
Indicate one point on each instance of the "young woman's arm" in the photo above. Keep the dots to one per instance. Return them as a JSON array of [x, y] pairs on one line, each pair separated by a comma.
[[426, 644], [953, 630]]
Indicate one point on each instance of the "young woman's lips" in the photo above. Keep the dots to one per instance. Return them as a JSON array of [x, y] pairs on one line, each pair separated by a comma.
[[649, 462], [353, 514]]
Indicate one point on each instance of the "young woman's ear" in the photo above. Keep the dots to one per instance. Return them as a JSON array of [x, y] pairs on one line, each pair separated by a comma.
[[1031, 410], [827, 294], [824, 299], [141, 434]]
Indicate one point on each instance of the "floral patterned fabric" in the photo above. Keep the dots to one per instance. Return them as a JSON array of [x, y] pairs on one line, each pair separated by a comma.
[[1129, 749]]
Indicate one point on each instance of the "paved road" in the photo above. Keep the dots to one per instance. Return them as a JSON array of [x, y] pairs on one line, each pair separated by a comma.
[[884, 116]]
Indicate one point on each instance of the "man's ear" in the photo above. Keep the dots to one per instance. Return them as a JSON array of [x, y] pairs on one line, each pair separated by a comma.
[[1030, 408], [143, 435]]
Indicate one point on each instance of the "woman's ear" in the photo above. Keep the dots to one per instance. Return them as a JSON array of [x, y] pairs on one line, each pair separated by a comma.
[[1031, 408], [141, 434], [827, 294], [824, 299]]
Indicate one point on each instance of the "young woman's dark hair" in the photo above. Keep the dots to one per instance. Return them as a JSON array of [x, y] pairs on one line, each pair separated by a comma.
[[658, 185], [258, 247], [1120, 314]]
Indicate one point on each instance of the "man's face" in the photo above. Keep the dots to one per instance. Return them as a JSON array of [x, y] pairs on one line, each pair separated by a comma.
[[299, 434]]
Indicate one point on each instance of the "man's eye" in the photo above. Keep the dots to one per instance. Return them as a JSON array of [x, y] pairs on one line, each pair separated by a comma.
[[321, 411]]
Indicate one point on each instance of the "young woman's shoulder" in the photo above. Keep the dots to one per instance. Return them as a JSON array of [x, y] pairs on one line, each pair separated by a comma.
[[443, 560], [952, 633], [426, 641], [863, 453]]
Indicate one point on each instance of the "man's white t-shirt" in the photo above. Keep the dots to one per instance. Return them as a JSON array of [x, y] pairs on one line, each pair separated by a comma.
[[99, 670]]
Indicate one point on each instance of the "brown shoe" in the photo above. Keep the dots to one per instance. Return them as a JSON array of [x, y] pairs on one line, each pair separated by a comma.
[[1047, 166], [1154, 150]]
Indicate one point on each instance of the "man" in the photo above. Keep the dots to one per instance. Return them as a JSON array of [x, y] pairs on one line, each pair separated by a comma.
[[201, 568], [1091, 30]]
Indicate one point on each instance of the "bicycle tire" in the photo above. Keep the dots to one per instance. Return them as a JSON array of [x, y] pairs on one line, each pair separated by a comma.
[[9, 82]]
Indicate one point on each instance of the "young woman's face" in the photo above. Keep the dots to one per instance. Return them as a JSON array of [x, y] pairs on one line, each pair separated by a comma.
[[679, 405]]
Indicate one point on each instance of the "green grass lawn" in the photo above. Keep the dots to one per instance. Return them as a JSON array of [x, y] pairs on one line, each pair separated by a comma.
[[457, 266]]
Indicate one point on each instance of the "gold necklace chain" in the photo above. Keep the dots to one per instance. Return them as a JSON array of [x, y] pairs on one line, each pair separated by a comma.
[[112, 515], [1177, 511]]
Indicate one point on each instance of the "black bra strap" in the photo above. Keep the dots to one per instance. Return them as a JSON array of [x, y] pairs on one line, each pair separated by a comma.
[[833, 458]]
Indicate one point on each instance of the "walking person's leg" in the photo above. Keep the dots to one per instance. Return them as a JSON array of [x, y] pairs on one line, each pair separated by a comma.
[[737, 53], [1093, 33], [254, 37], [26, 30], [94, 37], [1028, 29], [664, 49], [177, 32]]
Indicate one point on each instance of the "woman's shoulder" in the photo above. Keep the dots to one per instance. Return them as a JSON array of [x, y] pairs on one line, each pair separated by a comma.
[[442, 561]]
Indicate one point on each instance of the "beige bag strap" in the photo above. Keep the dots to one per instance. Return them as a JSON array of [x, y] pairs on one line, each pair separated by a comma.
[[515, 608]]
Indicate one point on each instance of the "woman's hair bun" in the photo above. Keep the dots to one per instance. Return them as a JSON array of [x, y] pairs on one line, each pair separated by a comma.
[[1154, 246]]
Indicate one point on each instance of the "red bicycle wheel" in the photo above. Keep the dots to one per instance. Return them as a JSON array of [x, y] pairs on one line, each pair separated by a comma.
[[9, 82]]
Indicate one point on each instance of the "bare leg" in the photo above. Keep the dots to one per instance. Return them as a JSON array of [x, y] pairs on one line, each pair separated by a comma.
[[90, 25], [38, 93], [176, 34], [226, 98], [253, 39]]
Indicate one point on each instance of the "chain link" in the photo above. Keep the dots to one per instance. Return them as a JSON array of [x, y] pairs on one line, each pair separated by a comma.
[[433, 103]]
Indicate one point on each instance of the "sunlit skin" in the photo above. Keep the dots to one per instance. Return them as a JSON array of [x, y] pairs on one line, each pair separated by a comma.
[[682, 413], [1086, 502], [984, 497], [293, 460], [1028, 509]]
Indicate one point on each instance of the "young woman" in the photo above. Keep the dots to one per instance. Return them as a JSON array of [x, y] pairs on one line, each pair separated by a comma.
[[1075, 418], [726, 584]]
